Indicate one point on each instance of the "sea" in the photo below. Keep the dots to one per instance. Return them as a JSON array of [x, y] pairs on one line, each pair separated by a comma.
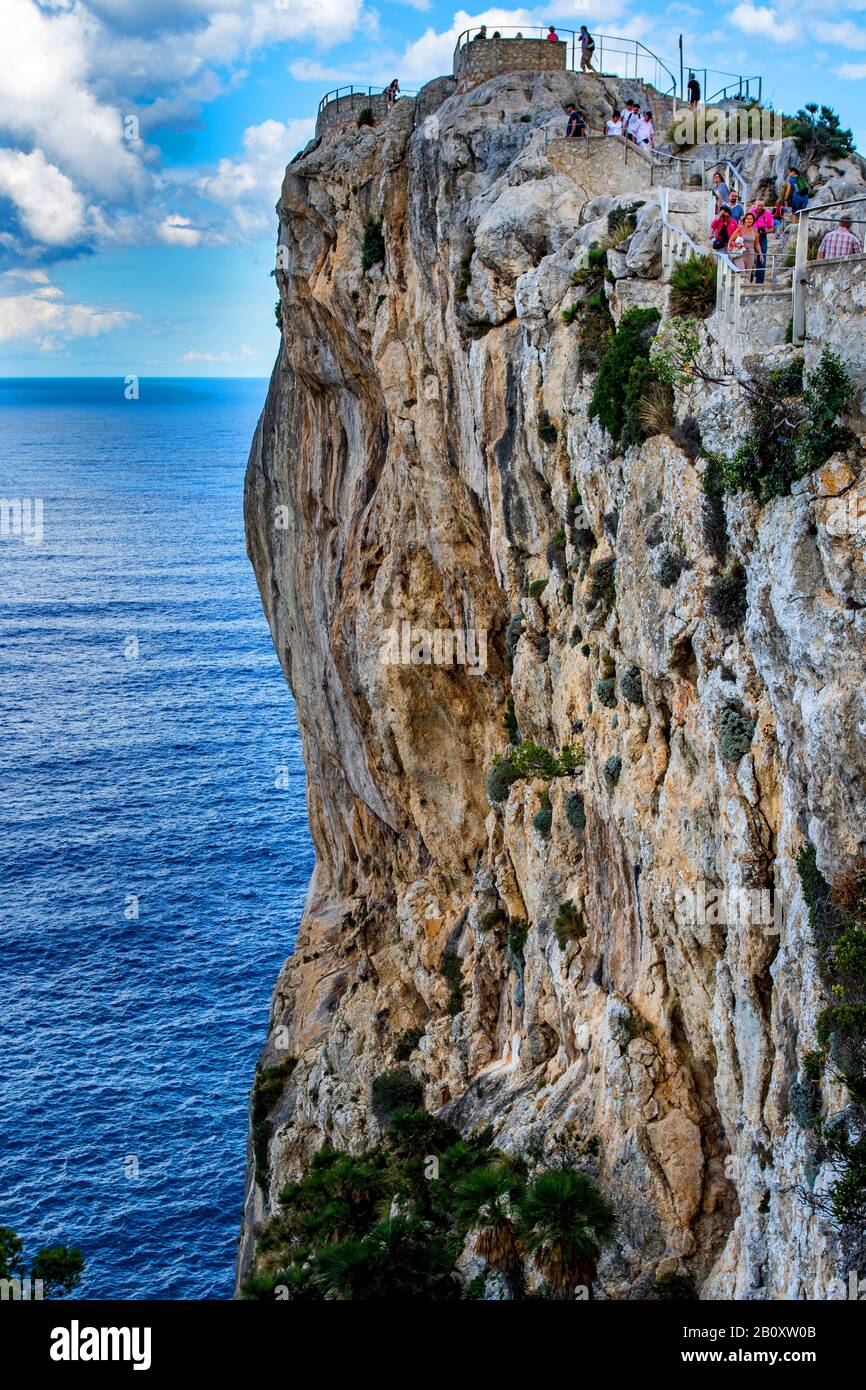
[[154, 845]]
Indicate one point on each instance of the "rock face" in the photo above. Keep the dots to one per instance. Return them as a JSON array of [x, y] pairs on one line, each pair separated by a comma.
[[424, 434]]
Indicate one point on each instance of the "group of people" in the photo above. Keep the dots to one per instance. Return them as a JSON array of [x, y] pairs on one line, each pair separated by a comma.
[[743, 235], [587, 42], [630, 124]]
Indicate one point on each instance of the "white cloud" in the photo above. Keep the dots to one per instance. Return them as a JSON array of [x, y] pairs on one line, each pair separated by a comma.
[[248, 187], [245, 355], [45, 317], [851, 71], [845, 34], [49, 208], [175, 230], [766, 23]]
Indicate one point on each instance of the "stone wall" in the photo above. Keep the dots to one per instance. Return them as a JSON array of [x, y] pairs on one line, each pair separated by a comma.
[[484, 58], [348, 108], [836, 314]]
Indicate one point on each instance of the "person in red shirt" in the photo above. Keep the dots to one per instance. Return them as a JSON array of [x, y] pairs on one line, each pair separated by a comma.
[[552, 36]]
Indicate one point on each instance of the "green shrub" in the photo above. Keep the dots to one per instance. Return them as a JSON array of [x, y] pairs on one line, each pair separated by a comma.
[[530, 759], [543, 818], [268, 1087], [509, 719], [602, 587], [278, 312], [630, 1025], [568, 925], [713, 518], [501, 778], [629, 346], [556, 549], [518, 931], [669, 567], [575, 811], [693, 287], [513, 633], [726, 598], [547, 431], [621, 217], [452, 973], [570, 313], [373, 245], [736, 732], [395, 1090], [596, 258], [407, 1043], [489, 921], [606, 692], [795, 427], [803, 1103], [631, 685], [537, 587], [464, 274], [365, 116], [612, 769]]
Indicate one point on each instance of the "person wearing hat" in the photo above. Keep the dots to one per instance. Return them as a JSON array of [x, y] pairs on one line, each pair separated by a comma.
[[840, 242]]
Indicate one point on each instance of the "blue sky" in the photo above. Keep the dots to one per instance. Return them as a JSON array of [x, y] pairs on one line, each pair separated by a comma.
[[142, 144]]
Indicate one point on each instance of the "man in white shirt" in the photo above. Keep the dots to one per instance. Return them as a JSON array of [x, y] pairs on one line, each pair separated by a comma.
[[614, 125]]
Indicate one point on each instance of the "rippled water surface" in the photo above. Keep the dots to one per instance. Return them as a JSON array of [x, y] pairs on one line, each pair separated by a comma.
[[144, 719]]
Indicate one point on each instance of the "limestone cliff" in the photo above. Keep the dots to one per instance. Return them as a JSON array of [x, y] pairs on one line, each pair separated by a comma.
[[419, 460]]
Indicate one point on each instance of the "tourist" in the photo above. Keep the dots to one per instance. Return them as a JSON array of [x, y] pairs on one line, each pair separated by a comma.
[[693, 91], [392, 91], [735, 207], [840, 242], [796, 194], [720, 190], [587, 48], [751, 243], [721, 227], [552, 36], [482, 33], [763, 226], [779, 214], [644, 130], [614, 125], [496, 34], [632, 120], [575, 124]]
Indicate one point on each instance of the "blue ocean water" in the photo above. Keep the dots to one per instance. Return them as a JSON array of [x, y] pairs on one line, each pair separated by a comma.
[[143, 718]]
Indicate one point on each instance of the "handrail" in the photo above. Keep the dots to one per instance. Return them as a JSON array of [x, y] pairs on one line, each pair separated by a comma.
[[340, 94], [741, 82]]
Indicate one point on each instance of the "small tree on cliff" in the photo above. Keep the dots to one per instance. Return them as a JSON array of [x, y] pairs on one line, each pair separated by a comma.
[[818, 134], [564, 1223], [483, 1203]]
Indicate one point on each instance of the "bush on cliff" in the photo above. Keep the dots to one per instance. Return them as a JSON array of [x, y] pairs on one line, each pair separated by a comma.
[[693, 287], [627, 354], [373, 244], [530, 759], [818, 134], [394, 1090]]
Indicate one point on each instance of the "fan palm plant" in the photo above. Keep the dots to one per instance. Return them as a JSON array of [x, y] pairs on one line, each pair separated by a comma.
[[564, 1223], [483, 1202]]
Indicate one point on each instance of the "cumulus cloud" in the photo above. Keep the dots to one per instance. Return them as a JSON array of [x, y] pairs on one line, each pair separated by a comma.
[[248, 187], [766, 22], [844, 33], [175, 230], [49, 207], [42, 313]]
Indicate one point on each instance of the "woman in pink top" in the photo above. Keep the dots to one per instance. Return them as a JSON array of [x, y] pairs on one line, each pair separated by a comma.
[[763, 224], [750, 238]]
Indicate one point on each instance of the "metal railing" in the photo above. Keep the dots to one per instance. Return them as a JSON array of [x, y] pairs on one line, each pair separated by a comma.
[[614, 56], [737, 88], [356, 96]]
